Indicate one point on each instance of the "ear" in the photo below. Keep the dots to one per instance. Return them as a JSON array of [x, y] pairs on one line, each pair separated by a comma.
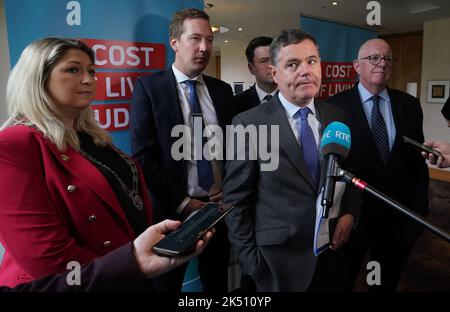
[[274, 73], [356, 66], [251, 68], [174, 44]]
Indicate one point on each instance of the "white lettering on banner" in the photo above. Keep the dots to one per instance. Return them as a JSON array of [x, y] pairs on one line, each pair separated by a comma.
[[126, 118], [122, 90], [74, 276], [374, 16], [118, 55], [338, 71], [112, 116], [74, 16]]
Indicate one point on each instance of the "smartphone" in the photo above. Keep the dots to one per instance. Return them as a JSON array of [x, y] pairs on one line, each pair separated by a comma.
[[183, 240], [421, 147]]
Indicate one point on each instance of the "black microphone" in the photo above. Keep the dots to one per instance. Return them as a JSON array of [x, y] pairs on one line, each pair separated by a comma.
[[335, 146]]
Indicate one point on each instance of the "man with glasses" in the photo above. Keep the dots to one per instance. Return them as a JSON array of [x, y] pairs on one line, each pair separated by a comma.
[[378, 117]]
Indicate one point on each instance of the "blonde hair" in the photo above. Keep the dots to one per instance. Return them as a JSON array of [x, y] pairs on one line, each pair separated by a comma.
[[27, 96]]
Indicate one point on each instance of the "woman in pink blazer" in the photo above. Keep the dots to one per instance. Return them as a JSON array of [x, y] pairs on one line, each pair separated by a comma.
[[66, 193]]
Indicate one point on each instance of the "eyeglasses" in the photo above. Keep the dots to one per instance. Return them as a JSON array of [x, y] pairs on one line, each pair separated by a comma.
[[376, 59]]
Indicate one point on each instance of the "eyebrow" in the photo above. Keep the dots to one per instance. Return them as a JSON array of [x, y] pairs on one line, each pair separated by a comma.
[[78, 63]]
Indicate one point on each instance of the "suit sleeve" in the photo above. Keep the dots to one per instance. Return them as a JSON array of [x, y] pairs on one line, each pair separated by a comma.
[[420, 174], [31, 228], [116, 271], [240, 188], [147, 150]]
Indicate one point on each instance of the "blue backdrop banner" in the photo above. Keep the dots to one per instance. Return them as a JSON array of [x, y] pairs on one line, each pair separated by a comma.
[[338, 45], [130, 39]]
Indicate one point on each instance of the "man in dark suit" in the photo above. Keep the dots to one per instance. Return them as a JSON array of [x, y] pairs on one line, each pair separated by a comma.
[[128, 268], [271, 229], [446, 111], [258, 57], [378, 117], [162, 103]]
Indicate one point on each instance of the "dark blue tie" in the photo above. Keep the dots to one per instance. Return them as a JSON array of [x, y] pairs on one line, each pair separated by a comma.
[[204, 168], [267, 98], [308, 143], [379, 130]]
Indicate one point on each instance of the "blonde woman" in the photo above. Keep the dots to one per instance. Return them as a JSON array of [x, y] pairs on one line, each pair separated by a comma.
[[66, 193]]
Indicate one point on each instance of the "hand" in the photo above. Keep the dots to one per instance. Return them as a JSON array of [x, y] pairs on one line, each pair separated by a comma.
[[192, 205], [216, 198], [153, 265], [443, 148], [342, 231]]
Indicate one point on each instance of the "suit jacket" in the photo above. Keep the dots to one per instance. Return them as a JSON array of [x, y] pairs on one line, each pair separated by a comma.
[[272, 227], [55, 207], [246, 100], [404, 178], [116, 271], [155, 110]]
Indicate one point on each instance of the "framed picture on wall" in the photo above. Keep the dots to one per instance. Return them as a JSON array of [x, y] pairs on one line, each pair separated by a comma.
[[438, 91]]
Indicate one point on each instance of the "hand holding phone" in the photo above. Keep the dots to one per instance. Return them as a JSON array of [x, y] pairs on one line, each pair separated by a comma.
[[183, 240], [421, 147]]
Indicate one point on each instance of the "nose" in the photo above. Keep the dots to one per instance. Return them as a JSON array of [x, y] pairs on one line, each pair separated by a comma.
[[88, 78], [304, 69], [204, 45], [382, 62]]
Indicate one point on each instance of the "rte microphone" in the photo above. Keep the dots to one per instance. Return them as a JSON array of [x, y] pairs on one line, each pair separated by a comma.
[[335, 146]]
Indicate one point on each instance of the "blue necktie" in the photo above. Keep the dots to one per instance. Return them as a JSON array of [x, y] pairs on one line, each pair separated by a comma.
[[204, 168], [308, 143], [379, 131]]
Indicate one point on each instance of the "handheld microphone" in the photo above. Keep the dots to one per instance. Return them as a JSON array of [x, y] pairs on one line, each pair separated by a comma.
[[335, 146]]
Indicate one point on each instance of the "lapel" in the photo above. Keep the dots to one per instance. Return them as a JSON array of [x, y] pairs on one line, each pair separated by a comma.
[[288, 142], [84, 170], [398, 121], [170, 114], [360, 122], [170, 102], [254, 96], [216, 99]]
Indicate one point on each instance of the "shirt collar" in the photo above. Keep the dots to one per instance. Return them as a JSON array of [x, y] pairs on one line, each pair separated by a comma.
[[366, 95], [291, 108], [180, 77], [261, 93]]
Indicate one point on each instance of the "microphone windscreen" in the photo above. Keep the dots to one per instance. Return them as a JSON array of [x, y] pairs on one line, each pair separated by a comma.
[[336, 139]]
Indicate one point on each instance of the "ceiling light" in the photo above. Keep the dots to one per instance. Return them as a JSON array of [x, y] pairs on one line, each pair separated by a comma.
[[220, 29], [240, 28], [208, 5], [335, 3], [226, 41]]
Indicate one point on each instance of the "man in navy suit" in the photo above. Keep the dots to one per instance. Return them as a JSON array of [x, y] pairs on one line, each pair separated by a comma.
[[258, 57], [271, 228], [176, 97], [378, 117]]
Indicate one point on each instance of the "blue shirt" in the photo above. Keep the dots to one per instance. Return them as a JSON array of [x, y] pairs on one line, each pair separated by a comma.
[[385, 109]]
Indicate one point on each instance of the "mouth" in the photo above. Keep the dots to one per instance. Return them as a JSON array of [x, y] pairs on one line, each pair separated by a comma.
[[201, 59], [306, 83], [86, 93]]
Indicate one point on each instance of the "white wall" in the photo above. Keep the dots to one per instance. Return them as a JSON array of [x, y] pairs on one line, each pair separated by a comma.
[[435, 66], [234, 63]]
